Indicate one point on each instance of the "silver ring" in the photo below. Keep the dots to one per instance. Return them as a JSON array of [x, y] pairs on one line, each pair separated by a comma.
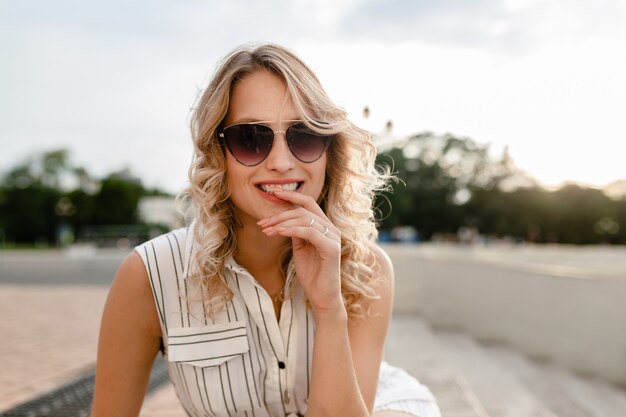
[[325, 231], [312, 221]]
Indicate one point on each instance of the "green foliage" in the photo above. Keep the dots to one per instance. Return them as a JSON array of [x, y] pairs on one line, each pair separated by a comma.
[[36, 207], [571, 214], [27, 214], [117, 201], [432, 170], [447, 183]]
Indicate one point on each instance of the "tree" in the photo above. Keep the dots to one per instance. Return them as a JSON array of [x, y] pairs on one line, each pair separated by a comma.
[[447, 182], [117, 200], [27, 213], [45, 196], [437, 174]]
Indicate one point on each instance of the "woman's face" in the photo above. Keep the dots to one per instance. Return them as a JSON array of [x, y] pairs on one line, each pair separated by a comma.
[[263, 97]]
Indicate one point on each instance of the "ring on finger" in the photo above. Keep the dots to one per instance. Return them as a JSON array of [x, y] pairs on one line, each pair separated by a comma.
[[312, 221], [325, 231]]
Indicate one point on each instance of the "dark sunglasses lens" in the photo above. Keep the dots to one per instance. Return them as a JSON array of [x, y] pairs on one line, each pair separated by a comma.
[[305, 144], [249, 144]]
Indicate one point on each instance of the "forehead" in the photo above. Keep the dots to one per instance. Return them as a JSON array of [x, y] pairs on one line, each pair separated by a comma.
[[261, 95]]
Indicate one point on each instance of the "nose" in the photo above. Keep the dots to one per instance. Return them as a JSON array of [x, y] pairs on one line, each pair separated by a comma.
[[280, 158]]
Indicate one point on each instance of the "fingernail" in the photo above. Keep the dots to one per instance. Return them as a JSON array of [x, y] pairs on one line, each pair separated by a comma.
[[268, 230]]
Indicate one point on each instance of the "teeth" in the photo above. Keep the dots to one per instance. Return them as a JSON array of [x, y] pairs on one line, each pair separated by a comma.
[[270, 188]]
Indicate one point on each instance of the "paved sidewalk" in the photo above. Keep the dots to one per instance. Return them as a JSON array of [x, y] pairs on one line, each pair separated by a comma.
[[49, 337], [51, 303]]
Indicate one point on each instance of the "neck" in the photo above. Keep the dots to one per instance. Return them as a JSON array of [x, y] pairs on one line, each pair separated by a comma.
[[261, 256]]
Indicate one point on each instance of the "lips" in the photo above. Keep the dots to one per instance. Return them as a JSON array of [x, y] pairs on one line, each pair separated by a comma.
[[287, 186]]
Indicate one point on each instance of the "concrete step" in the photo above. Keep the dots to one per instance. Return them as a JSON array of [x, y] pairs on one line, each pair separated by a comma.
[[498, 390], [509, 384], [565, 393], [412, 345]]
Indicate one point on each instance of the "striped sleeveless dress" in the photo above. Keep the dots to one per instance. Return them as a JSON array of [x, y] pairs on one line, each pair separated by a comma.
[[243, 361]]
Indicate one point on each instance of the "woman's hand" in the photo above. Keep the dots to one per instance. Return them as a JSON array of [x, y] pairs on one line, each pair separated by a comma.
[[316, 244]]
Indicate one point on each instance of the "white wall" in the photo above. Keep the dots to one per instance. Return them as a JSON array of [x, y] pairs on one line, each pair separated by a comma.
[[160, 210], [550, 307]]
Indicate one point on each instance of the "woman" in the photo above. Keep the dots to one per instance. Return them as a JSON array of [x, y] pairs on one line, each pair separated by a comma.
[[274, 301]]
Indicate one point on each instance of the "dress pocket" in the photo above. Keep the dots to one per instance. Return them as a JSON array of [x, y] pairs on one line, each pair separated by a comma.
[[208, 345], [213, 368]]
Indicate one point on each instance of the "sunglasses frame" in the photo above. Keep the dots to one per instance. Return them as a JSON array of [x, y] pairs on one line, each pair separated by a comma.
[[222, 139]]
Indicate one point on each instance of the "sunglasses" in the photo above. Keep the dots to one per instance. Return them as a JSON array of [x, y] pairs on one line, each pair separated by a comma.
[[251, 143]]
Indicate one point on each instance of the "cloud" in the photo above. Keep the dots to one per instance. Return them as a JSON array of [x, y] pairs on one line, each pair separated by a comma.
[[504, 26], [452, 22], [114, 81], [113, 17]]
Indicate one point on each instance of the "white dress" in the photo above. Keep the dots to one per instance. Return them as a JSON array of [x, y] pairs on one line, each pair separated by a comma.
[[242, 361]]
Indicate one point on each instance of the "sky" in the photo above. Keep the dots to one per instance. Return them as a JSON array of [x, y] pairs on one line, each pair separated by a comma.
[[114, 81]]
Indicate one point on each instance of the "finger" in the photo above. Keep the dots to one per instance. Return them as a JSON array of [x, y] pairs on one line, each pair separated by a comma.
[[300, 199], [323, 229], [301, 217], [299, 212], [284, 215], [310, 234], [302, 222]]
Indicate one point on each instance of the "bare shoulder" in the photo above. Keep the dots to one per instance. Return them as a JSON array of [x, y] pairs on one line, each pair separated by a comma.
[[131, 293], [133, 263], [382, 264], [132, 274]]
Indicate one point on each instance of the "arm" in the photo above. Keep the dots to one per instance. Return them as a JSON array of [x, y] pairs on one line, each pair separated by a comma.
[[129, 341], [346, 353], [367, 336], [346, 358]]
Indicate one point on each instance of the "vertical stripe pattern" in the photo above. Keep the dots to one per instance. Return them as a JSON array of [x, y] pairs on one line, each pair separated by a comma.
[[213, 373], [242, 362]]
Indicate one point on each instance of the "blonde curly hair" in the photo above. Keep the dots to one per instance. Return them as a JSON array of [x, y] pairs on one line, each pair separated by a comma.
[[352, 179]]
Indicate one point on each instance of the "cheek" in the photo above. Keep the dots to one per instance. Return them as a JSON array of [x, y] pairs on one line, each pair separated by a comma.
[[318, 173], [235, 178], [234, 172]]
